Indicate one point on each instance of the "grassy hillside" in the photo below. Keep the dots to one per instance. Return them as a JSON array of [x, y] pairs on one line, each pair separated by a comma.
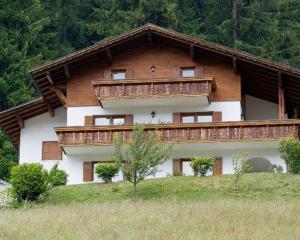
[[266, 207]]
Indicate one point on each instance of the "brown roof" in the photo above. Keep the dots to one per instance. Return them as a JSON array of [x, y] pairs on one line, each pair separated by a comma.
[[56, 72]]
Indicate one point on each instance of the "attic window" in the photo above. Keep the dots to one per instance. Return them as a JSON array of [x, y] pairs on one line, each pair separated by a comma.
[[118, 74], [187, 72]]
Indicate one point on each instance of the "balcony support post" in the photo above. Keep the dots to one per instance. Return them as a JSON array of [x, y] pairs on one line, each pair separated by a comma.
[[281, 97]]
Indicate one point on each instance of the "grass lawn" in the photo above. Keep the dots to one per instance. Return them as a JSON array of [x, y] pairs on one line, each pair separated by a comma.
[[267, 206]]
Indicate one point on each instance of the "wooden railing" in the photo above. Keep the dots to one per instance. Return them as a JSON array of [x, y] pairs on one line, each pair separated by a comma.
[[156, 87], [184, 133]]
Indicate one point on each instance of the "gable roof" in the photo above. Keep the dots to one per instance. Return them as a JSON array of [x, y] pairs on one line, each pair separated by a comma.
[[58, 71]]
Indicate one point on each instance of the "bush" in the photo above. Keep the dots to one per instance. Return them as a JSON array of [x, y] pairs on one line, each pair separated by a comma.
[[290, 152], [201, 165], [240, 166], [106, 171], [28, 181], [276, 168], [5, 168], [57, 177]]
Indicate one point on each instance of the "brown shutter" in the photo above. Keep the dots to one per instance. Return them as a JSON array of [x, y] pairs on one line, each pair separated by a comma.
[[88, 171], [107, 74], [129, 119], [176, 118], [88, 120], [129, 73], [218, 166], [217, 117], [177, 166], [199, 73], [51, 150], [176, 71]]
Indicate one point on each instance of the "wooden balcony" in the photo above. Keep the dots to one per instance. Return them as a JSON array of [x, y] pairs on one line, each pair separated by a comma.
[[184, 133], [156, 91]]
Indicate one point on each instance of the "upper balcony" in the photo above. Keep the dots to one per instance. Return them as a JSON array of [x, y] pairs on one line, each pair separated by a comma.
[[154, 92], [103, 136]]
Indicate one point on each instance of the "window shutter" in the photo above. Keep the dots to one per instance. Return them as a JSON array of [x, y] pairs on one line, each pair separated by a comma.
[[51, 150], [129, 73], [199, 72], [176, 118], [177, 166], [107, 74], [88, 171], [129, 119], [176, 71], [217, 117], [218, 166], [88, 120]]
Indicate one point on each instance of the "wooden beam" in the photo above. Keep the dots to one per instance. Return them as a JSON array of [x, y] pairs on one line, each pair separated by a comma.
[[108, 54], [20, 121], [150, 39], [234, 65], [60, 95], [67, 71], [281, 98], [51, 111], [192, 51], [48, 76]]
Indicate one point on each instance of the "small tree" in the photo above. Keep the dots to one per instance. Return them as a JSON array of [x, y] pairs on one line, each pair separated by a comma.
[[290, 152], [201, 165], [240, 166], [142, 156], [106, 171], [57, 177], [28, 181]]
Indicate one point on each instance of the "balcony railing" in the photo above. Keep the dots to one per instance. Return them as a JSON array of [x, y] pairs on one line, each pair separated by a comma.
[[184, 133], [156, 87]]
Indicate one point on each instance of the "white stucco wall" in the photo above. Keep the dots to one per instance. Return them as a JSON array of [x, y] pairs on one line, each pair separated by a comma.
[[231, 111], [40, 128], [258, 109]]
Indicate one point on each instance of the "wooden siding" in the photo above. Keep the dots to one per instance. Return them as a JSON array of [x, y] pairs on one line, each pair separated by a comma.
[[154, 88], [184, 133], [167, 60]]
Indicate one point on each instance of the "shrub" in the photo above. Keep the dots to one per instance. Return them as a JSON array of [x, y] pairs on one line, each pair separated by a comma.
[[5, 198], [28, 181], [177, 174], [240, 166], [57, 177], [290, 152], [276, 168], [201, 165], [106, 171], [5, 168]]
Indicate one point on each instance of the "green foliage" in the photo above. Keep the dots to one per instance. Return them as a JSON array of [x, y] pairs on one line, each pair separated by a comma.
[[57, 177], [8, 156], [201, 165], [142, 156], [290, 152], [106, 171], [240, 166], [29, 181], [177, 174], [276, 168]]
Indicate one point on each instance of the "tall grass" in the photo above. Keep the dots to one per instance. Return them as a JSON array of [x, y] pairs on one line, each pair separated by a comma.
[[155, 219]]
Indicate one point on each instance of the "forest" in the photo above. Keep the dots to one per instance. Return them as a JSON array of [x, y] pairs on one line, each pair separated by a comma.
[[33, 32]]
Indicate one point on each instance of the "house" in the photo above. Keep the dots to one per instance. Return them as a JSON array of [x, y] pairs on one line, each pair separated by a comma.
[[206, 98]]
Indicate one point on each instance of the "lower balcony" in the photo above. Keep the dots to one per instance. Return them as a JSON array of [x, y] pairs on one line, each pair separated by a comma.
[[154, 92], [75, 140]]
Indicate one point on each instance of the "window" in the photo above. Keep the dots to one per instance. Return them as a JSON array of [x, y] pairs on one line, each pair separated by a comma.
[[110, 120], [51, 151], [118, 74], [196, 117], [187, 72]]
